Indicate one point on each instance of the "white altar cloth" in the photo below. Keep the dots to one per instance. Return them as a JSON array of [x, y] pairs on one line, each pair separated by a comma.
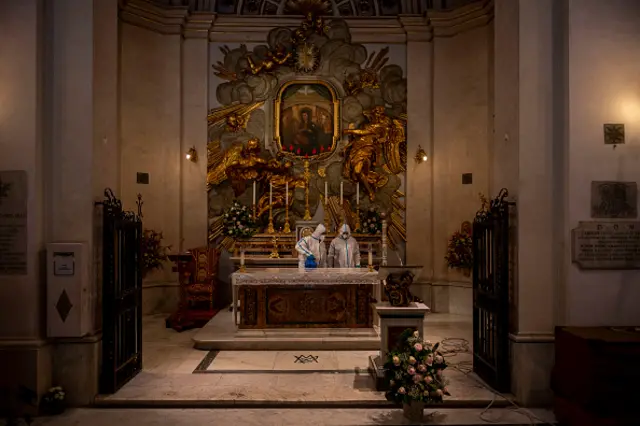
[[313, 277]]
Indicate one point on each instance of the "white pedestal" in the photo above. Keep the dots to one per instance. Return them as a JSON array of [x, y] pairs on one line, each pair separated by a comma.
[[394, 321]]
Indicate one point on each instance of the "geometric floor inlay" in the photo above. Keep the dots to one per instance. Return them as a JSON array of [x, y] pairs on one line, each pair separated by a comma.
[[278, 362]]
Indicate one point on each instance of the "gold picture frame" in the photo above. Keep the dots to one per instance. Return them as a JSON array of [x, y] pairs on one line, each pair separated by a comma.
[[307, 119]]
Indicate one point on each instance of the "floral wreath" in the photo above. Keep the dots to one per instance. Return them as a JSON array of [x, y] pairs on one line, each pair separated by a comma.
[[238, 221]]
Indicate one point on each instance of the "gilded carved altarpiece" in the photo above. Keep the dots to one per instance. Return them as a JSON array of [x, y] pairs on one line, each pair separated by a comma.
[[308, 96]]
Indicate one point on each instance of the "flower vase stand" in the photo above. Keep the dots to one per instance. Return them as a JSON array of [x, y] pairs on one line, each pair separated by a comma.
[[394, 320]]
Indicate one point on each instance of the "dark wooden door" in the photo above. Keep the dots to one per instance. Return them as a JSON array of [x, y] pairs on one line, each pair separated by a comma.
[[121, 294], [491, 293]]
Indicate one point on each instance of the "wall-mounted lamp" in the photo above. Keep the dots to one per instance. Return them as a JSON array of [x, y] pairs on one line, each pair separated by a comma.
[[421, 155], [192, 154]]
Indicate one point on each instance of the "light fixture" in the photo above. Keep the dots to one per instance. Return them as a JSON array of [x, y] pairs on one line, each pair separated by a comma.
[[421, 155], [192, 154]]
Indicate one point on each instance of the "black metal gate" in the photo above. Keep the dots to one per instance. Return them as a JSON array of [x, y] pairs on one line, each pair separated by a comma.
[[121, 293], [491, 293]]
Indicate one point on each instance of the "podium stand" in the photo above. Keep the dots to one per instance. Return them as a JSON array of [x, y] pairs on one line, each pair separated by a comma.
[[396, 315]]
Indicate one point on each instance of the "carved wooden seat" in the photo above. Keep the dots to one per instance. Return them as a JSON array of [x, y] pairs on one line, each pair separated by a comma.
[[203, 278], [198, 273]]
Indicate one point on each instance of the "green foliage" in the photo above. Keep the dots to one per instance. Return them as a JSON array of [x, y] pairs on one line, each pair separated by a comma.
[[460, 251], [154, 254]]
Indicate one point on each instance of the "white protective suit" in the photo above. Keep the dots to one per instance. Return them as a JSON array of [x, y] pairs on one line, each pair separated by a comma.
[[313, 245], [344, 251]]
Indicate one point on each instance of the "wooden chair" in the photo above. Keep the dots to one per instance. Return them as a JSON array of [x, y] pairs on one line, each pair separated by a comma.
[[198, 274], [204, 278]]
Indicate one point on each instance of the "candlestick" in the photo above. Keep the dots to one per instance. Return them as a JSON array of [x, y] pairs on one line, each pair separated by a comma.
[[270, 229], [307, 178], [254, 192], [242, 267], [370, 258], [357, 193], [327, 215], [287, 227]]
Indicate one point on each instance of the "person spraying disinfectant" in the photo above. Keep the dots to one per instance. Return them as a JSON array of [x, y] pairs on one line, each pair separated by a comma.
[[312, 252], [344, 251]]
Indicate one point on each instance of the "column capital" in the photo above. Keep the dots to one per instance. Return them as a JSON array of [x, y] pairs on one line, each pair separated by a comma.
[[198, 25], [451, 22], [148, 15], [416, 27]]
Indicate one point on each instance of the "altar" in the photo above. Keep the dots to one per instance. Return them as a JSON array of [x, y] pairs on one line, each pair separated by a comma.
[[290, 298]]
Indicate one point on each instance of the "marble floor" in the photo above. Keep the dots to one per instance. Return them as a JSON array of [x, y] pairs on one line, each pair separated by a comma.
[[293, 417], [222, 334], [171, 366]]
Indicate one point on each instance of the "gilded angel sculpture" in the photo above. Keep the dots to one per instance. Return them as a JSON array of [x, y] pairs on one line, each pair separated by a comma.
[[379, 142], [278, 56], [238, 163]]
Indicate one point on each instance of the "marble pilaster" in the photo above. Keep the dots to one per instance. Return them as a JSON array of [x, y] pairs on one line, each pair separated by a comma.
[[536, 281], [195, 73], [419, 203]]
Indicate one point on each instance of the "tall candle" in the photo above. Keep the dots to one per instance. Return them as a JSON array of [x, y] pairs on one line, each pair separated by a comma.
[[326, 192], [370, 255], [286, 193], [270, 193], [242, 257], [341, 193], [254, 192], [357, 193]]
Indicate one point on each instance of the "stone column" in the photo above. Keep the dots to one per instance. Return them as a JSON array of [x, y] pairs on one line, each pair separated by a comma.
[[84, 157], [419, 183], [195, 100], [536, 280], [24, 356]]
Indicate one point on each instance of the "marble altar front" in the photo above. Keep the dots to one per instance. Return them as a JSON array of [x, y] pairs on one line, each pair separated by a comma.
[[290, 298]]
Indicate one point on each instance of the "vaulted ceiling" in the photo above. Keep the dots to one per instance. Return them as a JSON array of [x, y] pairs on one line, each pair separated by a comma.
[[336, 7]]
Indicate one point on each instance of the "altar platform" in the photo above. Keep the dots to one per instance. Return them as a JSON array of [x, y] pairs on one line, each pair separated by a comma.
[[222, 334]]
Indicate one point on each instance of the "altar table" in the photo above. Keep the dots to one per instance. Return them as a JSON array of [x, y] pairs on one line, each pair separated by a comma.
[[290, 298]]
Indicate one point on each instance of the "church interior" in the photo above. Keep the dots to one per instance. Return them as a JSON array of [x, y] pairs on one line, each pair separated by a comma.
[[319, 212]]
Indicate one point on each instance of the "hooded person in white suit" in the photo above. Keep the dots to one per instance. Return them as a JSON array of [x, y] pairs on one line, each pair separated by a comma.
[[312, 249], [344, 251]]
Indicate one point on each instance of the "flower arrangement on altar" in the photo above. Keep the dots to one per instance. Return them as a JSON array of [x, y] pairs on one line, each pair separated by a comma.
[[460, 249], [370, 222], [238, 221], [414, 371], [154, 254]]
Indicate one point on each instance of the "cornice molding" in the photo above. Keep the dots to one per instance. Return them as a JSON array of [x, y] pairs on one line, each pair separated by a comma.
[[453, 22], [254, 29], [417, 28]]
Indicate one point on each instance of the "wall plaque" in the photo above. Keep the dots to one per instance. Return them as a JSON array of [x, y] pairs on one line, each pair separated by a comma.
[[614, 200], [606, 245], [13, 222]]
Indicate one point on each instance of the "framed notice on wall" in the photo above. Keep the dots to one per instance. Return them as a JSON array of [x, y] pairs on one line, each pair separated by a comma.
[[63, 263]]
